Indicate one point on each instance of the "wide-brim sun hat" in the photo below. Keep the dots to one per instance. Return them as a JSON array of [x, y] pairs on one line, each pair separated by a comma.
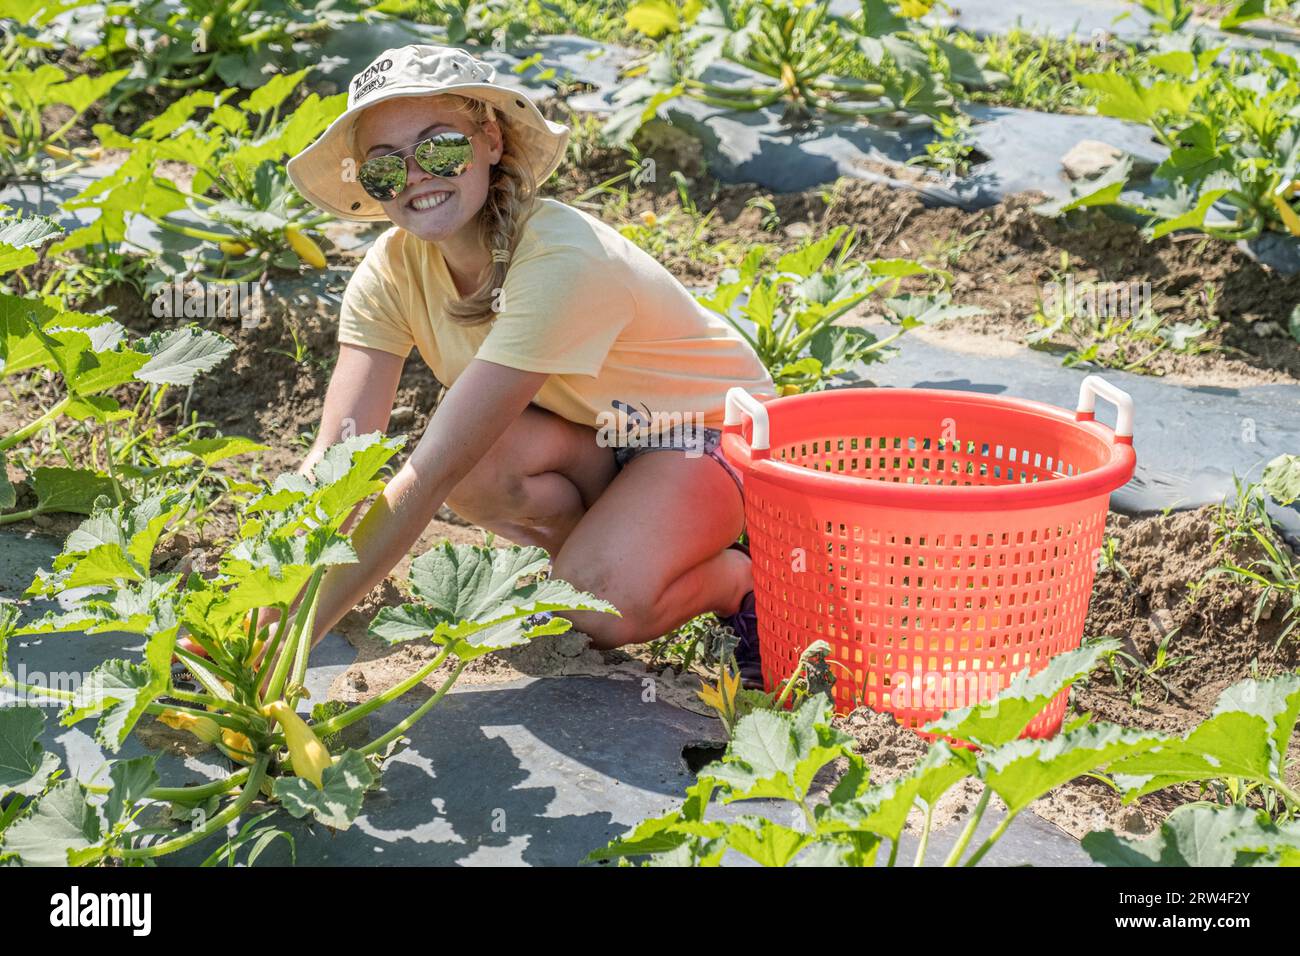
[[326, 171]]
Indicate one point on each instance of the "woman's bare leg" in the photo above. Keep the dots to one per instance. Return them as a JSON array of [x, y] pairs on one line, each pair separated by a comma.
[[537, 481], [652, 539], [655, 545]]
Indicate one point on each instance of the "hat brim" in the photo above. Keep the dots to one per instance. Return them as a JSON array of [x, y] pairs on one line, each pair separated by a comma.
[[325, 172]]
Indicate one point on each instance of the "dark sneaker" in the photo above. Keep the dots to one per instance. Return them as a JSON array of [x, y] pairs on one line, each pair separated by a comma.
[[744, 623]]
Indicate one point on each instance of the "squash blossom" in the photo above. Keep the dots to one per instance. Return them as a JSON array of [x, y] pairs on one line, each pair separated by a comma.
[[307, 755], [307, 250], [205, 728], [240, 746]]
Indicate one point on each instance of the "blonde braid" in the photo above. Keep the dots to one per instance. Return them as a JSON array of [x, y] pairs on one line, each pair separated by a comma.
[[510, 199]]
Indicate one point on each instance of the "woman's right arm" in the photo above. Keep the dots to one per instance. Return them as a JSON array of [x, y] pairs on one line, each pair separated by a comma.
[[359, 399]]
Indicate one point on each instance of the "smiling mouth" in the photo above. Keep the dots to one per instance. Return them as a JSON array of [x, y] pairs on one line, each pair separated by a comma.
[[428, 201]]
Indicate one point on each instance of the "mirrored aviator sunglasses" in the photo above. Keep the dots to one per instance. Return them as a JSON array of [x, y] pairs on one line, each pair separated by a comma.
[[443, 154]]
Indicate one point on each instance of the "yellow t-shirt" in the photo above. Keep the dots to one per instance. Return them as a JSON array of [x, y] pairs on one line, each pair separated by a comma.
[[611, 325]]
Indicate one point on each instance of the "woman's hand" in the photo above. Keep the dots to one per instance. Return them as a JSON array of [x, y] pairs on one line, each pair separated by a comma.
[[266, 619], [473, 414]]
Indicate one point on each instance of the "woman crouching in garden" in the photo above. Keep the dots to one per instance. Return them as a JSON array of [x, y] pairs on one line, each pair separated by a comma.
[[585, 385]]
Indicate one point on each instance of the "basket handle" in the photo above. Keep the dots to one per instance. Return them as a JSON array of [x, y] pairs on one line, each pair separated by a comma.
[[741, 403], [1093, 386]]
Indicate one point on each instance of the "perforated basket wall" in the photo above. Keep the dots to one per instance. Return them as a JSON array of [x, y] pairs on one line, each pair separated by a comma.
[[938, 601]]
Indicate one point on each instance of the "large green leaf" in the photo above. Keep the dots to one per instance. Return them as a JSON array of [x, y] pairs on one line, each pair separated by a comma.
[[1126, 97], [22, 346], [309, 118], [132, 781], [259, 588], [911, 311], [471, 583], [1246, 736], [347, 474], [129, 190], [1198, 835], [1023, 770], [849, 849], [1244, 12], [1186, 209], [20, 236], [808, 258], [1004, 718], [120, 691], [25, 766], [273, 92], [884, 809], [178, 356], [81, 91], [62, 829], [474, 599], [338, 801], [776, 754], [69, 489], [213, 450], [663, 835], [100, 371], [175, 116], [1281, 480], [106, 564], [765, 842]]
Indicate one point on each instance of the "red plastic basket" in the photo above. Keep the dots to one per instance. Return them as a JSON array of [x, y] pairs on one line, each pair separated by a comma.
[[938, 541]]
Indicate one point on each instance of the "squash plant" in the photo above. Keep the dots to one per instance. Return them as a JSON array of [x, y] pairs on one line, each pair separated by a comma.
[[30, 147], [1233, 134], [91, 355], [239, 205], [775, 756], [186, 44], [469, 601], [788, 313], [806, 59]]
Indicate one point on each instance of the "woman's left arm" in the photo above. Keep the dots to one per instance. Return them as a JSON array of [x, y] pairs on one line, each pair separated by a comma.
[[474, 413]]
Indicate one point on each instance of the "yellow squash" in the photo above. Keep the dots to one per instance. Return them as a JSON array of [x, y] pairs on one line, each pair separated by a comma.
[[307, 755], [307, 250], [1284, 210]]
